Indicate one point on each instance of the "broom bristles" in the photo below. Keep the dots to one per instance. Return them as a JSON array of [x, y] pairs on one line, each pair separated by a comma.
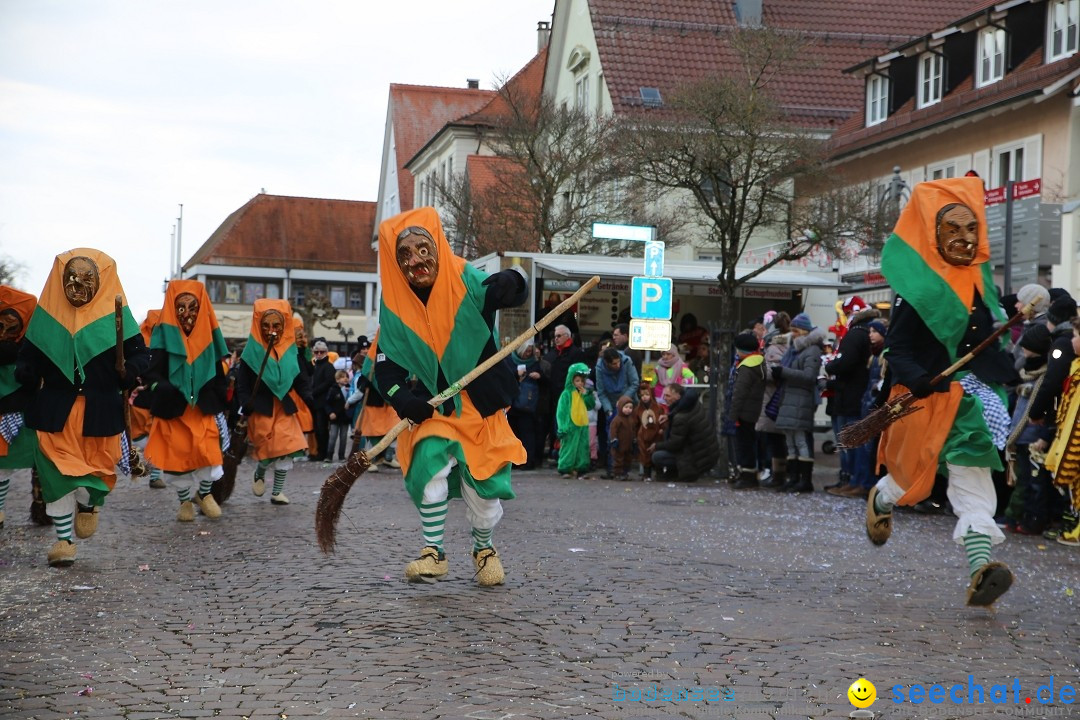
[[332, 498], [871, 426]]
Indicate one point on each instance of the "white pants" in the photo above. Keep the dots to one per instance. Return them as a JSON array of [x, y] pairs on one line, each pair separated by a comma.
[[284, 464], [971, 494], [191, 480], [482, 514], [67, 504]]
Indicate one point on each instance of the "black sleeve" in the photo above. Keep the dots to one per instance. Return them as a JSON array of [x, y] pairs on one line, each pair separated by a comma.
[[507, 288], [1057, 369], [906, 342], [854, 350], [136, 360], [302, 386]]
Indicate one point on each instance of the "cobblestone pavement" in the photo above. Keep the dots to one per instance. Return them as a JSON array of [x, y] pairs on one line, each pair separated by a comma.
[[771, 604]]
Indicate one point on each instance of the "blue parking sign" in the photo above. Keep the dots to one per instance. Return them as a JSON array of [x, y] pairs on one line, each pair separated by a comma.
[[650, 298]]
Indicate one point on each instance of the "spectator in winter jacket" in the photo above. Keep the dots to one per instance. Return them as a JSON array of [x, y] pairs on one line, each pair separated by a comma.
[[647, 425], [689, 447], [621, 438], [798, 375], [615, 378], [849, 373], [776, 341], [746, 406], [338, 416]]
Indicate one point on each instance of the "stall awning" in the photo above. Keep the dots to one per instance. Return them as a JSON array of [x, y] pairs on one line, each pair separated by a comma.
[[583, 266]]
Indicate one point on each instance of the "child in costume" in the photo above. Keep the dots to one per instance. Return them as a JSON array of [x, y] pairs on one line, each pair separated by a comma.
[[572, 420], [187, 387], [621, 439], [69, 357], [437, 323], [1063, 457], [647, 425], [271, 409], [18, 443], [937, 261]]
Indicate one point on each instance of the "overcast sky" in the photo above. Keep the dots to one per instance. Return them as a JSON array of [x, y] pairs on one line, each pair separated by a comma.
[[113, 113]]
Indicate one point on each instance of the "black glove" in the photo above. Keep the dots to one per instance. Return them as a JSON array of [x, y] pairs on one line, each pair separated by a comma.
[[9, 351], [777, 372], [417, 410], [504, 287], [920, 387]]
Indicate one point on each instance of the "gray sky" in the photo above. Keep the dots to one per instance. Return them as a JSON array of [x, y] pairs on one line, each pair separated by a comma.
[[112, 113]]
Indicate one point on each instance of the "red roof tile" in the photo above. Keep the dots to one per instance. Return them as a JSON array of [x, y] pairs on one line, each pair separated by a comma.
[[418, 112], [666, 43], [293, 232]]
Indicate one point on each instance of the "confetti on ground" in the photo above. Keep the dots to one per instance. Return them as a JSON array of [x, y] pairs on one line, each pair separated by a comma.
[[144, 568], [577, 549], [86, 691]]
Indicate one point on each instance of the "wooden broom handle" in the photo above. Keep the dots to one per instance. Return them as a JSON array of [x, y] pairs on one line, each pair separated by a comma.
[[994, 336]]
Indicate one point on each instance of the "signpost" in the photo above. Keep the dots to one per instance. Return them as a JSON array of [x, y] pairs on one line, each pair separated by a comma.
[[650, 294]]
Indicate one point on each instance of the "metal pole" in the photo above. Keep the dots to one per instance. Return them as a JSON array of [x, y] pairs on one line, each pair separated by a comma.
[[1007, 283], [179, 238]]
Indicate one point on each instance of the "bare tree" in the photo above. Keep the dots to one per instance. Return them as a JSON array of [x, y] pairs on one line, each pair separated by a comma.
[[553, 173], [726, 144], [317, 309], [10, 270]]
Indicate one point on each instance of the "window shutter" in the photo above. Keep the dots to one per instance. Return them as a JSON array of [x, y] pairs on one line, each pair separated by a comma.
[[980, 163], [963, 164], [1033, 157]]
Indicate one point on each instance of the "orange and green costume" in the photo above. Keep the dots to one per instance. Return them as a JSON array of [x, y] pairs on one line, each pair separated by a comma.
[[273, 424], [950, 428], [188, 385], [13, 395], [438, 342], [78, 410]]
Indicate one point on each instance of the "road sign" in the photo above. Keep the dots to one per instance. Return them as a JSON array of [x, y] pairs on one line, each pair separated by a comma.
[[654, 258], [650, 335], [609, 231], [650, 298]]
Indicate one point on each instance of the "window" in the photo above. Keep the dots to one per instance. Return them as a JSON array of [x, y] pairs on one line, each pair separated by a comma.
[[930, 72], [449, 170], [356, 297], [1063, 25], [599, 93], [233, 292], [877, 99], [941, 171], [991, 66], [253, 292], [216, 290], [650, 96], [581, 93], [337, 296], [1008, 165]]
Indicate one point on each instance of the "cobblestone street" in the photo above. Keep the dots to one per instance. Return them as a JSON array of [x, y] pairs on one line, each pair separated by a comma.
[[771, 604]]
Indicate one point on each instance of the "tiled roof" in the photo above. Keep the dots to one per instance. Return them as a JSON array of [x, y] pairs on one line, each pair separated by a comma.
[[666, 43], [293, 232], [418, 113], [528, 81], [1029, 79]]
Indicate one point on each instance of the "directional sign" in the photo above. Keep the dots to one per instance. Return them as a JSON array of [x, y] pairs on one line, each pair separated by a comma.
[[654, 258], [650, 298], [650, 335], [609, 231]]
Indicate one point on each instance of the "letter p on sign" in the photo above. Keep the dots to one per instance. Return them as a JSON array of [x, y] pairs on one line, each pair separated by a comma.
[[650, 298]]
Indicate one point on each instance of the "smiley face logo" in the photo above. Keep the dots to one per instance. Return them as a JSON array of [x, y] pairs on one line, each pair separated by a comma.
[[862, 693]]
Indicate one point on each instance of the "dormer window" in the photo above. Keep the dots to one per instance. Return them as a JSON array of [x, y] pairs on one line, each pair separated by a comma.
[[1063, 29], [991, 65], [930, 74], [877, 99]]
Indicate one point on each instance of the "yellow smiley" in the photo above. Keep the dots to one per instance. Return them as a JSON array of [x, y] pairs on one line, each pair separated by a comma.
[[862, 693]]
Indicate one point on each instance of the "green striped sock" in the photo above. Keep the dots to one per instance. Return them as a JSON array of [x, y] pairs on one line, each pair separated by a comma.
[[260, 471], [3, 491], [433, 517], [279, 481], [977, 547], [481, 539], [184, 494], [63, 525], [155, 473], [205, 486]]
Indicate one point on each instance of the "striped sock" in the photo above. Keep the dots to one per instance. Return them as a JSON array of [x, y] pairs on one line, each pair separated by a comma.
[[279, 481], [63, 525], [184, 494], [260, 471], [977, 547], [880, 506], [155, 473], [3, 491], [481, 539], [205, 486], [433, 517]]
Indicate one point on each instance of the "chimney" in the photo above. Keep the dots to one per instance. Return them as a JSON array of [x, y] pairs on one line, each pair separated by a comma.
[[472, 84], [748, 13], [543, 35]]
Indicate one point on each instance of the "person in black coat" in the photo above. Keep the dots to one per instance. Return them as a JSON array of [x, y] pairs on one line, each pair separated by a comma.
[[689, 445], [322, 380], [849, 373]]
